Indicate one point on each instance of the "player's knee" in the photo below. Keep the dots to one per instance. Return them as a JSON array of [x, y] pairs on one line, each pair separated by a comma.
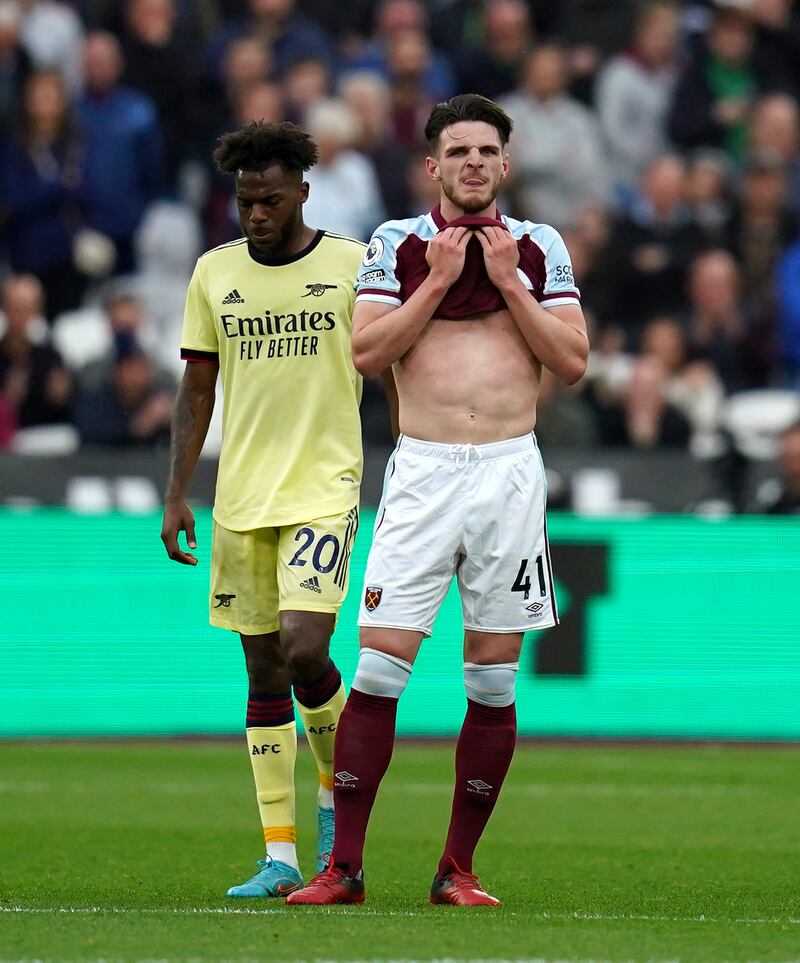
[[306, 657], [381, 674], [491, 685]]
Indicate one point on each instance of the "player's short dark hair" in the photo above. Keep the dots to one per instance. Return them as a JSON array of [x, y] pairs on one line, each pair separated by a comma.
[[467, 107], [258, 145]]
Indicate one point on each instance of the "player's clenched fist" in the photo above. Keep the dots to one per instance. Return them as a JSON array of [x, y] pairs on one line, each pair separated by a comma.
[[446, 252], [500, 254]]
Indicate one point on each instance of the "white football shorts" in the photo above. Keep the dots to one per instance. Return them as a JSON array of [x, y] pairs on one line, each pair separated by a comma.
[[473, 511]]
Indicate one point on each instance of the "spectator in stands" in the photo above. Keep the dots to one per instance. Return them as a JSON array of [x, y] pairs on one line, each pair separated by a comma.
[[15, 64], [670, 398], [787, 348], [559, 173], [396, 19], [591, 32], [761, 228], [587, 243], [718, 86], [719, 326], [125, 331], [653, 247], [408, 62], [368, 95], [708, 192], [307, 81], [287, 36], [775, 131], [787, 500], [160, 64], [493, 66], [33, 377], [52, 34], [344, 194], [41, 175], [123, 149], [127, 408], [563, 418], [633, 94]]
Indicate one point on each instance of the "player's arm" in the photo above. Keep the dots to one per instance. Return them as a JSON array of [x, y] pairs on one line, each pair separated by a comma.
[[390, 387], [556, 336], [383, 333], [191, 418]]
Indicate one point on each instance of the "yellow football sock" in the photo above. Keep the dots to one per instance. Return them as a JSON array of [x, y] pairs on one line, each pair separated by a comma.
[[320, 725], [273, 752]]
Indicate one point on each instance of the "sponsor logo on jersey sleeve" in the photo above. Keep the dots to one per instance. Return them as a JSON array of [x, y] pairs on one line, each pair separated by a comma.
[[374, 252]]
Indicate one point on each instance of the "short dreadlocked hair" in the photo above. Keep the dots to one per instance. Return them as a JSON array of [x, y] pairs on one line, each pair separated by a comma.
[[257, 146], [467, 107]]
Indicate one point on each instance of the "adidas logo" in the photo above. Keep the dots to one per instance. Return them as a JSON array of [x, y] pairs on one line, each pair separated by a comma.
[[311, 583], [233, 298]]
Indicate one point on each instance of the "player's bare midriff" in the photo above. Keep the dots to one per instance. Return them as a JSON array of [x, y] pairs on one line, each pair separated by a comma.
[[470, 381]]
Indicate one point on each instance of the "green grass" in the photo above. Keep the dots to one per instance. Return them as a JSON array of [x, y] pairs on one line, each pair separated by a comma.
[[122, 851]]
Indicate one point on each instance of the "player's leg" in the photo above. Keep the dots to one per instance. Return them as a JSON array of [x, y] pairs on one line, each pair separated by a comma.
[[483, 754], [363, 750], [244, 599], [505, 590], [411, 564], [320, 696], [313, 577]]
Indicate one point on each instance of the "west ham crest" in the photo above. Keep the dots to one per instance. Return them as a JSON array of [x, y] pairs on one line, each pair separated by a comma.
[[372, 597]]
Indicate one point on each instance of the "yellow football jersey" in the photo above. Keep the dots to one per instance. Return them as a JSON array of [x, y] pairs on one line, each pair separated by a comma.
[[281, 330]]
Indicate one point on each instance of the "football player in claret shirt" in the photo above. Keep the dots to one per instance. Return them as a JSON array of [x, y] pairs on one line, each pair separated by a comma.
[[467, 305], [271, 315]]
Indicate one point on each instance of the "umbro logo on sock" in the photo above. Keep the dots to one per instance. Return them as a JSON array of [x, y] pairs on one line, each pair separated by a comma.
[[233, 298], [478, 786], [312, 584], [344, 777]]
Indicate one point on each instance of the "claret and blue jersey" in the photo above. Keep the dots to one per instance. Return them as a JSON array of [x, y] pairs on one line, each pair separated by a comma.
[[394, 266]]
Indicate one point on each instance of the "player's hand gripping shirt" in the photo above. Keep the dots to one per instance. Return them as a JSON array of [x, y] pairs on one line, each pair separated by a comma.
[[280, 330], [394, 265]]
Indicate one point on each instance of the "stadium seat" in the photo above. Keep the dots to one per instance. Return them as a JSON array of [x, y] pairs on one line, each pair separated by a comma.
[[756, 420]]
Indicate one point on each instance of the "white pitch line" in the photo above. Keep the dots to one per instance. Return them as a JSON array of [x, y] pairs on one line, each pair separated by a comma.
[[235, 911], [536, 789]]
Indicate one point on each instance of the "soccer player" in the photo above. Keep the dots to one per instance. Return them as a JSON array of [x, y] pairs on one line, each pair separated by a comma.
[[272, 313], [467, 305]]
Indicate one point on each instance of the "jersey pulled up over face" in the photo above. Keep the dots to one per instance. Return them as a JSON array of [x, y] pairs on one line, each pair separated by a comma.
[[280, 330], [394, 266]]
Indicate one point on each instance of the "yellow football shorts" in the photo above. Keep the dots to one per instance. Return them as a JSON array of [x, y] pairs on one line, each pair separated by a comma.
[[257, 574]]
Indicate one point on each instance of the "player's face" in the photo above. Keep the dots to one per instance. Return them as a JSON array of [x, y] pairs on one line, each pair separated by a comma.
[[270, 205], [470, 165]]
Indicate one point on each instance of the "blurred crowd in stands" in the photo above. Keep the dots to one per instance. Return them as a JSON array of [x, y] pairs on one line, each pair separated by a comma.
[[661, 139]]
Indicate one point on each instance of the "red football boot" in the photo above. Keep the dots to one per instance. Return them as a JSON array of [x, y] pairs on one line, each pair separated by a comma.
[[332, 885], [459, 889]]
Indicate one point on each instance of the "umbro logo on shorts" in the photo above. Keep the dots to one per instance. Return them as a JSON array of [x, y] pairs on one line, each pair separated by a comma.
[[318, 289], [311, 583], [233, 298], [372, 597], [223, 600]]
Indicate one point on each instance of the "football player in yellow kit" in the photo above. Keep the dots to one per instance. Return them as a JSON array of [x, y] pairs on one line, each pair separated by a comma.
[[270, 314]]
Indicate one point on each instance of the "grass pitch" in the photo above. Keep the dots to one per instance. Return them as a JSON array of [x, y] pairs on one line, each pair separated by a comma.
[[122, 851]]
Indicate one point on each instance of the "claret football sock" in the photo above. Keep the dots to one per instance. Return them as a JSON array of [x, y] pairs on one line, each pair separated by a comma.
[[320, 704], [363, 750], [483, 754], [272, 744]]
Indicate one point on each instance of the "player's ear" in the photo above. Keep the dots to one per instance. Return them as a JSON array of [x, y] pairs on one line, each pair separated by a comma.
[[505, 165], [304, 192], [432, 168]]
